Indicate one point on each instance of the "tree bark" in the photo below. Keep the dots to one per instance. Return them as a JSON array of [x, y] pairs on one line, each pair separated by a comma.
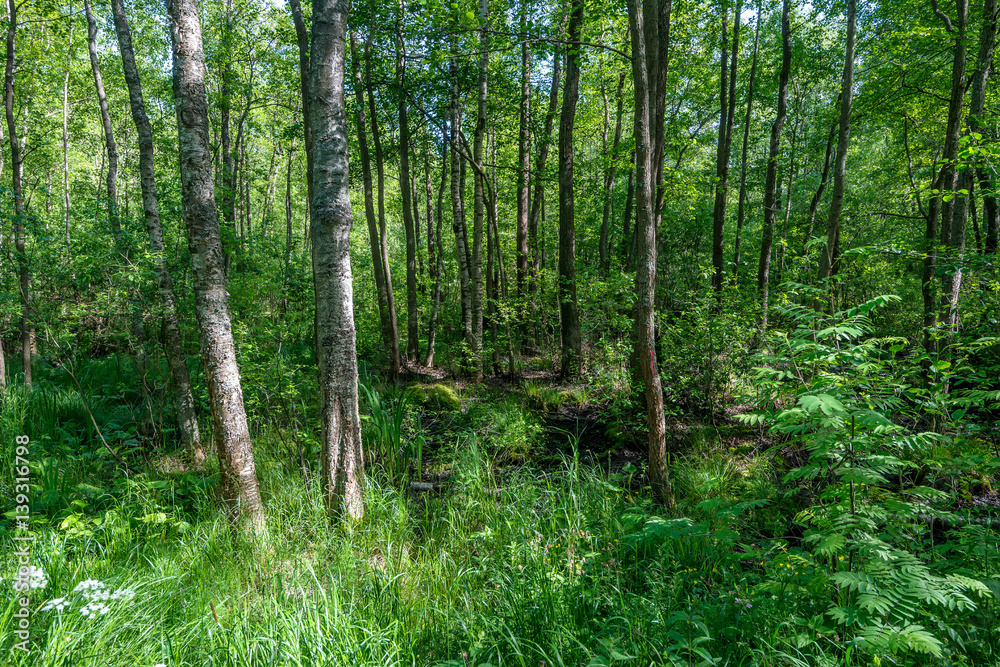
[[173, 346], [109, 138], [645, 38], [67, 204], [390, 332], [438, 262], [818, 195], [336, 353], [523, 159], [458, 208], [727, 108], [412, 335], [239, 488], [572, 341], [741, 207], [302, 37], [830, 257], [383, 242], [16, 164], [771, 180], [538, 196], [479, 203], [609, 179]]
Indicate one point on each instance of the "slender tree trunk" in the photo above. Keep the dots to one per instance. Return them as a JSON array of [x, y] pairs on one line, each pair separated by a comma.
[[383, 242], [67, 205], [771, 180], [109, 138], [523, 159], [975, 218], [23, 277], [342, 457], [412, 321], [302, 37], [538, 196], [645, 39], [976, 125], [572, 341], [458, 207], [173, 345], [269, 188], [818, 195], [225, 113], [609, 178], [479, 203], [239, 488], [439, 254], [783, 244], [830, 258], [741, 207], [390, 334], [289, 237], [628, 235], [727, 108]]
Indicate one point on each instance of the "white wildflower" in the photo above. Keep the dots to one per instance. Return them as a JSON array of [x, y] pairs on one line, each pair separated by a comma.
[[34, 578], [59, 604], [94, 609]]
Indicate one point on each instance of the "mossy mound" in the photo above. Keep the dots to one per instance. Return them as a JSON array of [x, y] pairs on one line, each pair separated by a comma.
[[439, 396]]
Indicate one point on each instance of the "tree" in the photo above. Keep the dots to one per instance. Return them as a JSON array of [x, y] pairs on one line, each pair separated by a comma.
[[380, 259], [741, 209], [727, 107], [830, 256], [173, 346], [16, 165], [336, 354], [649, 23], [572, 341], [239, 488], [771, 180], [412, 337], [109, 137]]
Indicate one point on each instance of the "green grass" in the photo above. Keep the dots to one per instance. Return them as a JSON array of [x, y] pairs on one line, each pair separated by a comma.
[[510, 565]]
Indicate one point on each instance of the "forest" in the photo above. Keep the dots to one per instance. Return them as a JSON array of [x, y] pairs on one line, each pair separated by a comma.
[[485, 333]]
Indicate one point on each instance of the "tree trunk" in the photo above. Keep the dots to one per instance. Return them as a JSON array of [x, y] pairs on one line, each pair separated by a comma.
[[818, 195], [741, 207], [24, 278], [727, 108], [538, 196], [302, 37], [439, 254], [239, 488], [173, 345], [976, 125], [109, 139], [479, 203], [830, 258], [383, 242], [645, 38], [609, 179], [65, 137], [390, 332], [342, 458], [628, 235], [783, 244], [412, 335], [458, 207], [225, 112], [572, 341], [523, 159], [771, 180]]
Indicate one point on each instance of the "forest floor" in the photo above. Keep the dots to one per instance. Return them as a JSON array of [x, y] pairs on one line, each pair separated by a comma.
[[529, 537]]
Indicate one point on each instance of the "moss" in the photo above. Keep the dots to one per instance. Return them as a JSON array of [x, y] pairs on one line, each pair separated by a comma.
[[440, 396]]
